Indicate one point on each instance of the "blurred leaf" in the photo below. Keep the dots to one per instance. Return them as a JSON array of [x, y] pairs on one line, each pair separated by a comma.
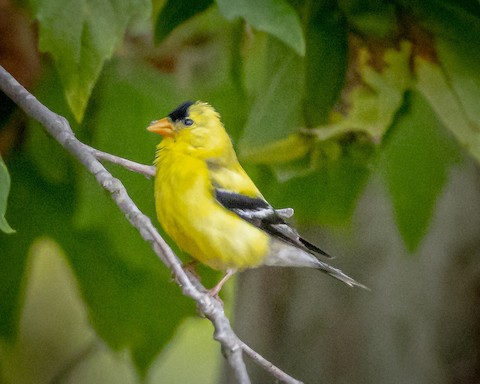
[[325, 61], [319, 154], [130, 292], [273, 115], [448, 18], [415, 163], [4, 190], [175, 13], [461, 62], [449, 106], [7, 108], [81, 35], [276, 17], [328, 192], [373, 104], [52, 161], [372, 18], [453, 86], [38, 209], [291, 148], [256, 63], [453, 89], [52, 314], [236, 56], [132, 306], [157, 6]]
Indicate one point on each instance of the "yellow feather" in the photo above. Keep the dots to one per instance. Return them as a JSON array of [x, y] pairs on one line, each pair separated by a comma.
[[185, 202]]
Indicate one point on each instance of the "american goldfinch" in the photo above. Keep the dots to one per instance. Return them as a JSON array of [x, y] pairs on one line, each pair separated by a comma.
[[210, 207]]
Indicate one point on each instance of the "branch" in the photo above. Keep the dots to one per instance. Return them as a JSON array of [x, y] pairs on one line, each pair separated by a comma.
[[59, 128], [147, 170]]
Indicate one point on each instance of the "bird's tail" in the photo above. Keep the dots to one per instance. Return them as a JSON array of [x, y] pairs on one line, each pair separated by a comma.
[[338, 274], [285, 255]]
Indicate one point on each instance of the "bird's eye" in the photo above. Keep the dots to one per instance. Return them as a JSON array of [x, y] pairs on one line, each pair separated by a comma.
[[187, 121]]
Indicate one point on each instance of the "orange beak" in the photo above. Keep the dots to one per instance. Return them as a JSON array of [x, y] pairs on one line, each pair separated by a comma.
[[163, 127]]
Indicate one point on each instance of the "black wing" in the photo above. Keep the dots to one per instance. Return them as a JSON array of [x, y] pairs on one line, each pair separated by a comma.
[[260, 213]]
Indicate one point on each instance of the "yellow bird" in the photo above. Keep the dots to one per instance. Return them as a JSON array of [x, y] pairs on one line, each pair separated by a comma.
[[210, 207]]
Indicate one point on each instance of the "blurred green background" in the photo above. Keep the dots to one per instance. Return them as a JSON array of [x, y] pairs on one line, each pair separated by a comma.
[[361, 115]]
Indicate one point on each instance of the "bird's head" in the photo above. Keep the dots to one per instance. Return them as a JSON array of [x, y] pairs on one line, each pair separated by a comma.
[[195, 126]]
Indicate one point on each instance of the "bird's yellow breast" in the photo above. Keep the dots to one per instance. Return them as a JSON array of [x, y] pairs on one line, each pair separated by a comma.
[[188, 212]]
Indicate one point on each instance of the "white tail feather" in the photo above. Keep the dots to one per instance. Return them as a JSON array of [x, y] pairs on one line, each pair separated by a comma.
[[284, 255]]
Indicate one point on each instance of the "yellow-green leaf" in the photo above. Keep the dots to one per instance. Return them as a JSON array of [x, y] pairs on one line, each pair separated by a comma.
[[291, 148], [374, 103], [453, 91]]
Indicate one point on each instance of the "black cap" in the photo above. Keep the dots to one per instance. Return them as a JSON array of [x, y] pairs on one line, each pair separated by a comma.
[[181, 112]]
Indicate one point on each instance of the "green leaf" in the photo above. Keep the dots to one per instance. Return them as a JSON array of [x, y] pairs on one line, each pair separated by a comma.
[[175, 13], [274, 116], [38, 209], [374, 18], [326, 190], [4, 190], [52, 313], [132, 305], [453, 90], [275, 17], [415, 164], [81, 35], [325, 62], [447, 18], [449, 79], [57, 166]]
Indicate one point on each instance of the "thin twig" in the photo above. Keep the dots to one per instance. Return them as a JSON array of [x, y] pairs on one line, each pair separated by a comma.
[[146, 170], [268, 366], [59, 128]]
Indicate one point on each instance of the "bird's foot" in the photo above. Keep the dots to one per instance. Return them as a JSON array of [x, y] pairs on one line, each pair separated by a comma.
[[190, 268], [214, 292]]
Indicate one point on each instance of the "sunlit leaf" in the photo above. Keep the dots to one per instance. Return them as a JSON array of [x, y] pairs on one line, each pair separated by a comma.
[[4, 190], [415, 165], [81, 35], [276, 17], [432, 83], [291, 148]]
